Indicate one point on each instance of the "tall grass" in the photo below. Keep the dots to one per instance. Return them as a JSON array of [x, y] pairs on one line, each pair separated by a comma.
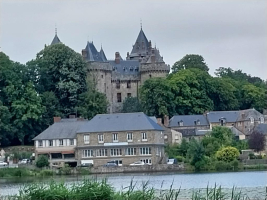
[[101, 190]]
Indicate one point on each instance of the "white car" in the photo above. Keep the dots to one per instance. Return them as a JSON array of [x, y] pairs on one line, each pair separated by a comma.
[[137, 163], [24, 161], [3, 163]]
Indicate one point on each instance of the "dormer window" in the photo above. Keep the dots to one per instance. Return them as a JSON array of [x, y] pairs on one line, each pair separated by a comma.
[[251, 120], [222, 122], [180, 123], [262, 120], [198, 122]]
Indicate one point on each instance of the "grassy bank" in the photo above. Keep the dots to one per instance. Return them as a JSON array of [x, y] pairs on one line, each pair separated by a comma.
[[24, 172], [101, 190]]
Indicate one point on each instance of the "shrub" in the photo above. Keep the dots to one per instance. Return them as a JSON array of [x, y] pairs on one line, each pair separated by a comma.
[[180, 158], [46, 172], [222, 166], [227, 154], [234, 164], [66, 170], [42, 161]]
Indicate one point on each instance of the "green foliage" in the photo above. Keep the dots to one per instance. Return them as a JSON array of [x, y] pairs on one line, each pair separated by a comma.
[[190, 61], [227, 154], [157, 97], [14, 172], [42, 161], [131, 104], [46, 172], [196, 153], [66, 170]]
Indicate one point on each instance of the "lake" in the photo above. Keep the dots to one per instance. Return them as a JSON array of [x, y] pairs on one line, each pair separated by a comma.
[[252, 183]]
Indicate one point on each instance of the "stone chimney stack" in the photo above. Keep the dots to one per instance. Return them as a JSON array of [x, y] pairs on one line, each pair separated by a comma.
[[159, 121], [166, 120], [117, 58], [57, 119]]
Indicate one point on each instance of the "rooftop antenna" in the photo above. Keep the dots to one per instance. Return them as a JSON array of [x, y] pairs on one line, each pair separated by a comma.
[[55, 29], [141, 23]]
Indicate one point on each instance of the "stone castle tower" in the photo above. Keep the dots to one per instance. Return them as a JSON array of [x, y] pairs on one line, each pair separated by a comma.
[[121, 78]]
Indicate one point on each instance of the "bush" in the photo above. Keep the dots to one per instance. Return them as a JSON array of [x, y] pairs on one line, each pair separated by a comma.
[[227, 154], [42, 161], [66, 170], [46, 172], [234, 164], [180, 158], [222, 166]]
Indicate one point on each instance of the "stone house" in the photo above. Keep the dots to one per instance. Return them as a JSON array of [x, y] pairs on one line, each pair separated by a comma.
[[59, 141], [242, 120], [123, 137]]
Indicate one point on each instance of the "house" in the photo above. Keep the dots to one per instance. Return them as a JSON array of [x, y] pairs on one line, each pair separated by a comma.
[[123, 137], [58, 141], [243, 120]]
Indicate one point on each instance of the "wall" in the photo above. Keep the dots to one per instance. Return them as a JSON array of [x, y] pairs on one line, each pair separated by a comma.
[[144, 168]]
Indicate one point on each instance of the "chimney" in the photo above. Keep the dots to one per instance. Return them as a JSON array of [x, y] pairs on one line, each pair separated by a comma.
[[57, 119], [84, 53], [166, 120], [117, 58], [159, 121], [72, 116]]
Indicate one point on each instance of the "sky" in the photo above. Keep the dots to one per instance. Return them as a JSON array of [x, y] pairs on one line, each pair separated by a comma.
[[227, 33]]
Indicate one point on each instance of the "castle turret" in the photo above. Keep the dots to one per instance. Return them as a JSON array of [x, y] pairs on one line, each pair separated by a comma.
[[55, 40]]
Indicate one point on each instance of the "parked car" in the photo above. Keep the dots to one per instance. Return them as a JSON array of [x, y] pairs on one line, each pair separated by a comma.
[[110, 165], [117, 162], [25, 161], [172, 161], [137, 163], [87, 165], [2, 163]]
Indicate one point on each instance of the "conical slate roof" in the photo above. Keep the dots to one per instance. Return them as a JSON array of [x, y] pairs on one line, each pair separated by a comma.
[[102, 54], [56, 40], [141, 45], [93, 54]]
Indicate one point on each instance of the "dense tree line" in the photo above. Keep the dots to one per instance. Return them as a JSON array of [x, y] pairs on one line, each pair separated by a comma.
[[53, 84], [190, 89]]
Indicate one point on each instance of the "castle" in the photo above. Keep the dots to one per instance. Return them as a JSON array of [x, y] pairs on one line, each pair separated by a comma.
[[121, 78]]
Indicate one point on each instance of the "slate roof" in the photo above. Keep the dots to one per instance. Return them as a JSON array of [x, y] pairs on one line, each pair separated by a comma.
[[246, 114], [262, 128], [187, 132], [124, 67], [230, 116], [93, 54], [65, 129], [55, 40], [188, 120], [138, 48], [120, 122], [102, 54]]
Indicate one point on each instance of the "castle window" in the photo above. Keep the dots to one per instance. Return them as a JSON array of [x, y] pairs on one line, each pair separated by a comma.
[[131, 69], [129, 95], [118, 85], [118, 97], [128, 84]]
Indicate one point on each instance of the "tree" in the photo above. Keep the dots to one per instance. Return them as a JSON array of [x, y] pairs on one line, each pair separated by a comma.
[[157, 98], [227, 154], [60, 70], [131, 104], [223, 135], [257, 141], [189, 95], [6, 132], [196, 152], [190, 61], [42, 161]]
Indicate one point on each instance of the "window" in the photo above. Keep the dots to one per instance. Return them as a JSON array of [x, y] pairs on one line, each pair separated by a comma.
[[118, 97], [129, 137], [128, 84], [262, 120], [40, 143], [146, 161], [150, 75], [86, 139], [144, 137], [157, 151], [129, 95], [71, 142], [115, 137], [118, 84], [60, 142], [100, 138], [145, 151], [222, 122], [130, 151], [102, 76], [88, 153], [115, 152], [50, 143], [101, 152], [252, 120], [180, 123]]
